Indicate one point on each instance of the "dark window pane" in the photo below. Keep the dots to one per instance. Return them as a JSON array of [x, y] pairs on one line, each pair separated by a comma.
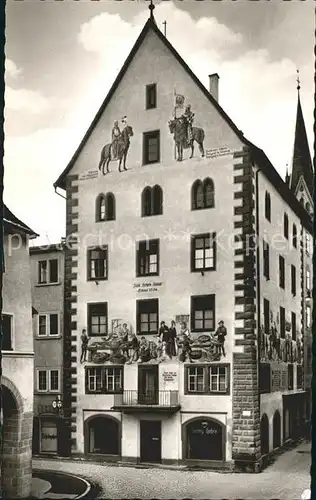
[[6, 332], [53, 326], [53, 271], [42, 326]]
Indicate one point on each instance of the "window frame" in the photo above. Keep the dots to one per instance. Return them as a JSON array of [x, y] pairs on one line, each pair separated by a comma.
[[104, 248], [267, 206], [282, 322], [197, 298], [202, 184], [266, 260], [48, 271], [206, 370], [47, 316], [150, 87], [105, 198], [212, 238], [152, 134], [11, 316], [290, 376], [148, 253], [139, 312], [294, 235], [149, 202], [293, 327], [286, 226], [266, 320], [48, 389], [293, 280], [281, 272], [308, 317], [90, 306], [101, 371]]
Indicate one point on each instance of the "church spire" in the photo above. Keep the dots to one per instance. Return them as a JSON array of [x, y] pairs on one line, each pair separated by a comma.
[[302, 163], [151, 8]]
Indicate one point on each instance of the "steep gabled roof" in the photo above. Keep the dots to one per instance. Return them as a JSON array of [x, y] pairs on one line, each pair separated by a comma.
[[150, 24], [11, 222], [259, 157], [302, 163]]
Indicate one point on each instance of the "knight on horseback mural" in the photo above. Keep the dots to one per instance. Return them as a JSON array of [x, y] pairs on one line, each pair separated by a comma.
[[117, 150]]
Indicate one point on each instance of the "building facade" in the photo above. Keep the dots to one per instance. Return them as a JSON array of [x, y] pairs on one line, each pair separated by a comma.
[[17, 359], [166, 221], [47, 272]]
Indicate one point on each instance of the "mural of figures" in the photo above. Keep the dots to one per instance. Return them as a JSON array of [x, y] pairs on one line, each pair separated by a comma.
[[117, 150], [184, 133], [273, 348], [123, 346]]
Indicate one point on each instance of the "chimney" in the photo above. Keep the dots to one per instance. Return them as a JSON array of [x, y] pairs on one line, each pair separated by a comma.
[[213, 88]]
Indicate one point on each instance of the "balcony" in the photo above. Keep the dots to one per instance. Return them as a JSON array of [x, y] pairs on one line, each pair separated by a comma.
[[157, 401]]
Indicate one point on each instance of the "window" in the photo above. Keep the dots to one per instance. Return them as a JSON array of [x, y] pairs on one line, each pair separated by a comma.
[[152, 201], [281, 272], [302, 201], [98, 263], [48, 325], [267, 206], [104, 379], [290, 377], [308, 281], [212, 379], [266, 316], [47, 271], [202, 194], [151, 147], [282, 322], [308, 316], [105, 207], [286, 226], [308, 207], [147, 255], [48, 380], [151, 96], [293, 280], [147, 316], [203, 252], [98, 319], [6, 326], [299, 377], [293, 321], [308, 243], [264, 378], [202, 313], [294, 236], [266, 260]]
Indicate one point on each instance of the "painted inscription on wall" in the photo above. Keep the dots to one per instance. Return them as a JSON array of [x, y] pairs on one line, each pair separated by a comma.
[[90, 174], [216, 152], [147, 286], [169, 376]]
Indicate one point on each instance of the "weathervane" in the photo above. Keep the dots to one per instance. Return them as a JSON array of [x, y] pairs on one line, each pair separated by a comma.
[[151, 8], [298, 80]]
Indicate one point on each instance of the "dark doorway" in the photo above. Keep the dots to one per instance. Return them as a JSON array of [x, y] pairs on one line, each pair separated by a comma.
[[103, 436], [148, 385], [204, 438], [264, 434], [150, 441], [276, 430]]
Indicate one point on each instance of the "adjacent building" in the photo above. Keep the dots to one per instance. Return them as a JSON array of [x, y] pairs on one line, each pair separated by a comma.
[[17, 359], [47, 274], [173, 215]]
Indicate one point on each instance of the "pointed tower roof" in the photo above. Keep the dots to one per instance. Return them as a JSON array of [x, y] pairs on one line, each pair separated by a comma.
[[302, 163]]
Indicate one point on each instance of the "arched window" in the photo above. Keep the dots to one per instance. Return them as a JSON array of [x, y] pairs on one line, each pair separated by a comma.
[[146, 202], [208, 191], [286, 226], [294, 236], [308, 207], [276, 430], [202, 194], [204, 439], [267, 206], [105, 207], [264, 434], [302, 201], [110, 207], [157, 200], [102, 436]]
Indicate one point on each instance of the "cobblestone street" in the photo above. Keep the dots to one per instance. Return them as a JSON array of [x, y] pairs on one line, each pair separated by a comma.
[[285, 479]]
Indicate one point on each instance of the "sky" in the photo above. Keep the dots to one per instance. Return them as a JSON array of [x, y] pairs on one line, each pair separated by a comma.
[[63, 56]]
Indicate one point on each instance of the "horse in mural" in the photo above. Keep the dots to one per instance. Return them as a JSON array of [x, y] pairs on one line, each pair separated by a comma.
[[122, 148], [178, 127]]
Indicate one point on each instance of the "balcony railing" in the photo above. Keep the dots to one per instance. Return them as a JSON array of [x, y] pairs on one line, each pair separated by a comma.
[[162, 399]]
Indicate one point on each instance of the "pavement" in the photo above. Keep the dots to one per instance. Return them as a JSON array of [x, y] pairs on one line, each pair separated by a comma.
[[285, 479]]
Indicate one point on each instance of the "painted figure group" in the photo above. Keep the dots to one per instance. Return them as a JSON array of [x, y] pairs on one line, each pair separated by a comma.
[[127, 347], [274, 348]]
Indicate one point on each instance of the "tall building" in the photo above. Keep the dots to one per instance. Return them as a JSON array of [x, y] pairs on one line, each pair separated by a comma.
[[17, 359], [47, 273], [172, 215]]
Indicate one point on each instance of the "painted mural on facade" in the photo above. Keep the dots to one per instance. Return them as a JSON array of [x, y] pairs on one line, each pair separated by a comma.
[[184, 133], [117, 149], [275, 348], [122, 345]]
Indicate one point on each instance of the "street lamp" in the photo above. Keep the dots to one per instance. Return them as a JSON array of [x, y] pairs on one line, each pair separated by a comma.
[[57, 404]]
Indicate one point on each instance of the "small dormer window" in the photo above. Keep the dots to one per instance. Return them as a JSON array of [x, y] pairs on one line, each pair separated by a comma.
[[151, 96], [308, 207]]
